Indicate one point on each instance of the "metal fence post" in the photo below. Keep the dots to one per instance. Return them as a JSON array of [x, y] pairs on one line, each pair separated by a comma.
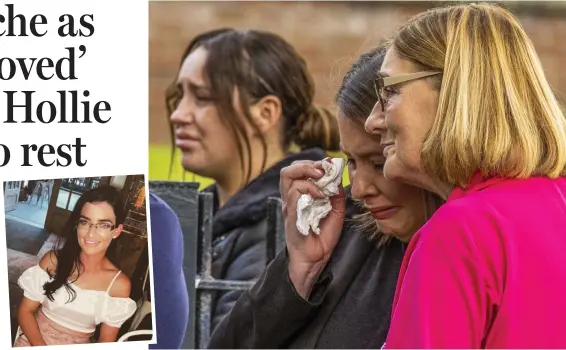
[[195, 212], [204, 296], [275, 234]]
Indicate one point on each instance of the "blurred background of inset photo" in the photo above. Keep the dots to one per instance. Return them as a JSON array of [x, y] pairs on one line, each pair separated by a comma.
[[36, 212]]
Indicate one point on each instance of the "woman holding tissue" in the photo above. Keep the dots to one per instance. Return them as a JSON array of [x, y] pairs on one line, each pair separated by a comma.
[[335, 290], [241, 104], [76, 287], [466, 111]]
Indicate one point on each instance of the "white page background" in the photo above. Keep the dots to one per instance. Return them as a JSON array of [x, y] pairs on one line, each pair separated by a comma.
[[113, 69]]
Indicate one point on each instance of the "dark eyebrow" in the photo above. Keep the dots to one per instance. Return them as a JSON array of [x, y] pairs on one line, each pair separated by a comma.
[[198, 88], [192, 86], [103, 220]]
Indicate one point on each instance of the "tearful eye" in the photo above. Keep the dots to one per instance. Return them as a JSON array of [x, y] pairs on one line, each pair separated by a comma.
[[389, 91], [200, 94], [203, 98], [378, 166]]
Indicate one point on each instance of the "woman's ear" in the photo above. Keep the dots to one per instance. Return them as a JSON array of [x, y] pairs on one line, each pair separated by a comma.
[[118, 231], [266, 113]]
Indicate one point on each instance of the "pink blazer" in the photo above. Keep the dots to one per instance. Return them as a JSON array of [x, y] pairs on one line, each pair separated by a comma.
[[487, 271]]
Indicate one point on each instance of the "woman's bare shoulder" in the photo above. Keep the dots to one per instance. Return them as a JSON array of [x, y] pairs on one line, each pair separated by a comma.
[[121, 287], [49, 261]]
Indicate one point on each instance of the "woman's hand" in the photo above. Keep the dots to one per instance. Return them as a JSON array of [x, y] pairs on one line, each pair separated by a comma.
[[308, 255]]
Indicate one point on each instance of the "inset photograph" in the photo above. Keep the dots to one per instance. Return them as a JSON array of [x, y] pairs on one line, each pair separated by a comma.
[[78, 260]]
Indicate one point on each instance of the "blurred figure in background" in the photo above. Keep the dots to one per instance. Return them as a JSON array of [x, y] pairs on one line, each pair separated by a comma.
[[36, 191], [45, 192], [171, 295], [241, 102]]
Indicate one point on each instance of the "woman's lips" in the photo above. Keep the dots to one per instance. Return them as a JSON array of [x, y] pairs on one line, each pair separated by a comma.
[[384, 213], [91, 243], [186, 143]]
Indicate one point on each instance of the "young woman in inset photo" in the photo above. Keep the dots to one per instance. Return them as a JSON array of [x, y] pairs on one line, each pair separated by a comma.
[[76, 286]]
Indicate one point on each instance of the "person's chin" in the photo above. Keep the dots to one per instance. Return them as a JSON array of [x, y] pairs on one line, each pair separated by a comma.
[[385, 229], [191, 163], [394, 231], [92, 251]]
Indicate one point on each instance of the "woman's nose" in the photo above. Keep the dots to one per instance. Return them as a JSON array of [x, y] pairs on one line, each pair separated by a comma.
[[375, 123], [182, 114], [179, 116], [91, 231], [362, 186]]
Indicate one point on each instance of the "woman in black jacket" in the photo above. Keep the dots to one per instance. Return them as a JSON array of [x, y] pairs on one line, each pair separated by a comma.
[[336, 292], [241, 102]]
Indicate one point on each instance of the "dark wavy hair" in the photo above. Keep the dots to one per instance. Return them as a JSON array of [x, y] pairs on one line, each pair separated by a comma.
[[356, 95], [67, 249]]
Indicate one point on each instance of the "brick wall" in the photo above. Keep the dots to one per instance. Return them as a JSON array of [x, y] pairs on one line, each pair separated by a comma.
[[329, 35]]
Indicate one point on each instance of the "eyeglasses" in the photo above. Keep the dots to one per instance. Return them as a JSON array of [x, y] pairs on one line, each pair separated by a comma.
[[101, 227], [382, 82]]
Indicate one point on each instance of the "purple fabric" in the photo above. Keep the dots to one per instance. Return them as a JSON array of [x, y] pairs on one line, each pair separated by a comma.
[[171, 296]]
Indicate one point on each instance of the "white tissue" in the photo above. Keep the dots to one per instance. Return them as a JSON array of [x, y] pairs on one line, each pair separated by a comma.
[[309, 210]]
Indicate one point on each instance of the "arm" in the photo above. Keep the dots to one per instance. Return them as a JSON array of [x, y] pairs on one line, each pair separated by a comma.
[[246, 262], [268, 314], [295, 282], [28, 322], [108, 334], [120, 289], [171, 296], [442, 298], [31, 302]]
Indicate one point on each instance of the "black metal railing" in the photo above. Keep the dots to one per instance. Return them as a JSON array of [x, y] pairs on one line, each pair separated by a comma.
[[195, 213]]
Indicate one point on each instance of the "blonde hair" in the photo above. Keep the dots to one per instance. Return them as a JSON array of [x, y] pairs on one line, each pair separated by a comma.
[[368, 224], [496, 111]]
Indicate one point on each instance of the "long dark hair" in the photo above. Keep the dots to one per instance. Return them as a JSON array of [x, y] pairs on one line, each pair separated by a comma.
[[259, 64], [67, 249], [356, 98], [356, 95]]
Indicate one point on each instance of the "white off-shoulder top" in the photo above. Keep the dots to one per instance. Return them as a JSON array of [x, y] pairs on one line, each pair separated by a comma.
[[90, 307]]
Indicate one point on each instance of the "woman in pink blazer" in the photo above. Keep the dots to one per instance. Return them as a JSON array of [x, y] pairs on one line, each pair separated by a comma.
[[465, 111]]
